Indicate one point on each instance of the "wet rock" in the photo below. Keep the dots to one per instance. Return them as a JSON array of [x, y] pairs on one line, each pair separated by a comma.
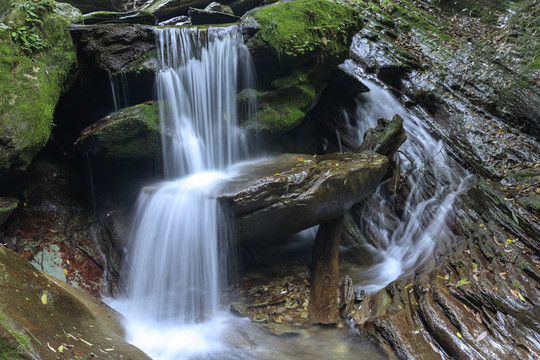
[[386, 138], [292, 192], [115, 48], [131, 132], [128, 17], [480, 299], [217, 7], [69, 12], [166, 9], [43, 318], [203, 17], [181, 20], [7, 207]]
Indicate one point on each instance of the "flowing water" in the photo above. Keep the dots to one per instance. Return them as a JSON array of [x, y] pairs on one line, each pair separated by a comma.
[[405, 239], [181, 254]]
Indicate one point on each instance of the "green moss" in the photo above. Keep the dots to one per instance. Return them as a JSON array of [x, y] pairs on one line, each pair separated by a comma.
[[536, 63], [285, 107], [319, 28], [30, 86], [131, 132], [8, 350]]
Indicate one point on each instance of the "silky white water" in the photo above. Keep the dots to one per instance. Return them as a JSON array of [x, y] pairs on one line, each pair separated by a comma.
[[180, 238], [408, 239]]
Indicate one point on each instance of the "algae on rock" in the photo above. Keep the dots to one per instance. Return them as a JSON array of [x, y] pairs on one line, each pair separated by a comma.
[[31, 81]]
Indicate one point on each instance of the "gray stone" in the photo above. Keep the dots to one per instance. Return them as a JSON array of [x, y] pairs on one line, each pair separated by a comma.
[[283, 195]]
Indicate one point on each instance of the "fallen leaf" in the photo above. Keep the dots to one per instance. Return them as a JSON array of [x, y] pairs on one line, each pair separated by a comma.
[[482, 336], [44, 298], [50, 347], [459, 335]]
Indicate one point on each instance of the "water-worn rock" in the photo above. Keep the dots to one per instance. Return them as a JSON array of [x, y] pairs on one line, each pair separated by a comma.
[[127, 17], [386, 138], [130, 132], [41, 318], [33, 74], [7, 207], [88, 6], [292, 192]]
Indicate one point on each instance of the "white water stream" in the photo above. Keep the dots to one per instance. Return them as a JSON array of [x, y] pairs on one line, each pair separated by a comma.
[[180, 245], [406, 240]]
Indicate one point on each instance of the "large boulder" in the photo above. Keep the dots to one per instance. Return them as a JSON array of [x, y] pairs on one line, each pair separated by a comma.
[[37, 63], [294, 45], [88, 6], [130, 132], [116, 48], [43, 318], [7, 207], [283, 195]]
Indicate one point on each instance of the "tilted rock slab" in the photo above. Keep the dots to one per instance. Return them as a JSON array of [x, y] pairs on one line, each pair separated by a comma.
[[43, 318], [292, 192]]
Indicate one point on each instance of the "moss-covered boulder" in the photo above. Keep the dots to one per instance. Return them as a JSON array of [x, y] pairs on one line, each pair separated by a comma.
[[37, 62], [131, 132], [294, 45], [43, 318]]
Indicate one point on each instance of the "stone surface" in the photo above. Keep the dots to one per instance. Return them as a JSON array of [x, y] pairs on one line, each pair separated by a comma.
[[386, 138], [115, 48], [294, 45], [130, 132], [292, 192], [88, 6], [41, 318], [208, 17], [127, 17], [33, 75], [7, 207]]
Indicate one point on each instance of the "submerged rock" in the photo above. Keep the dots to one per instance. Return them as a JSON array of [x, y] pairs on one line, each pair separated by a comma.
[[292, 192], [42, 318], [130, 132]]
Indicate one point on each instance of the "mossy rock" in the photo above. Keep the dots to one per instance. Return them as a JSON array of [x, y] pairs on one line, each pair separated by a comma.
[[305, 30], [285, 106], [130, 132], [31, 81], [7, 206]]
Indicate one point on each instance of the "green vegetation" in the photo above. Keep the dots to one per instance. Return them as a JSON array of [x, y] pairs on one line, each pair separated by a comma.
[[8, 350], [37, 59], [320, 28]]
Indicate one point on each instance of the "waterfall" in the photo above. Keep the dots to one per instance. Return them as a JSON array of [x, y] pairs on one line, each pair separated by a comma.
[[409, 237], [179, 241]]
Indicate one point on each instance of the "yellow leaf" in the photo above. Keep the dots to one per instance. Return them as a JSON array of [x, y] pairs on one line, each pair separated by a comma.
[[65, 271], [50, 347], [459, 335], [44, 298], [521, 297], [61, 349]]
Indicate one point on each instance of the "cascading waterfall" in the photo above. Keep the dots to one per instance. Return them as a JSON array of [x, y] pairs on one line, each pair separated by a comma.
[[180, 236], [407, 239]]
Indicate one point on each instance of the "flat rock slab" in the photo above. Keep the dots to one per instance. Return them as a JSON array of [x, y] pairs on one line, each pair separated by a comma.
[[292, 192], [40, 318]]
